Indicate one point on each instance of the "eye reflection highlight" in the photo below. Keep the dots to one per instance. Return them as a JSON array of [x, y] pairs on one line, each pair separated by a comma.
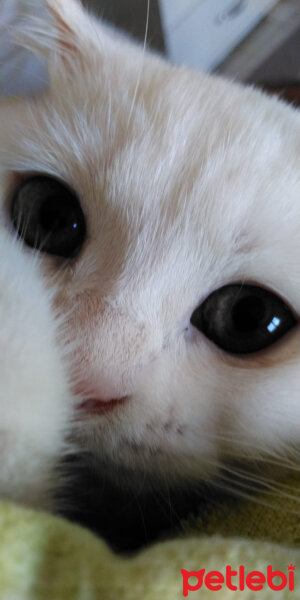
[[273, 325]]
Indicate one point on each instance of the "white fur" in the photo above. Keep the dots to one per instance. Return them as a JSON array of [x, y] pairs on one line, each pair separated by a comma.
[[188, 183], [36, 407]]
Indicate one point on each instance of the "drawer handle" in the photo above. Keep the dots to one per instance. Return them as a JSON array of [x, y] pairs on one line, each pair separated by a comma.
[[232, 12]]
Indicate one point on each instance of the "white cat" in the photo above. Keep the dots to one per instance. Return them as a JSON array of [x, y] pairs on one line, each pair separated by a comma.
[[166, 203]]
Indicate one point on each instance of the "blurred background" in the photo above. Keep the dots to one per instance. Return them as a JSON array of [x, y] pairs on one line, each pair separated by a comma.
[[255, 41]]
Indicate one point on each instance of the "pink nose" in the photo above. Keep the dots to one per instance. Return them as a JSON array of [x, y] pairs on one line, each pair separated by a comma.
[[100, 407], [103, 391]]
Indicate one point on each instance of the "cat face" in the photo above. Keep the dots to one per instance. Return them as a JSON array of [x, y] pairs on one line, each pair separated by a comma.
[[174, 185]]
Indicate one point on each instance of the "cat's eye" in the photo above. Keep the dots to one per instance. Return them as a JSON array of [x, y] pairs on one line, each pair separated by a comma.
[[242, 319], [47, 216]]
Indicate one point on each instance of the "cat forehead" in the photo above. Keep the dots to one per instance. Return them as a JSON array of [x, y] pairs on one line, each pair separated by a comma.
[[187, 145]]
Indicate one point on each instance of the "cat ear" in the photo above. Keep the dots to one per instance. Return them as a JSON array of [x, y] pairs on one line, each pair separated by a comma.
[[33, 35]]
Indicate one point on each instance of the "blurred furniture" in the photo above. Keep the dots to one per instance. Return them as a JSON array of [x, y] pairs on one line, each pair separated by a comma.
[[268, 56]]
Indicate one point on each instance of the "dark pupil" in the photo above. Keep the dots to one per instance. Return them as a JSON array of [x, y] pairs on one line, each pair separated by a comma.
[[248, 314], [54, 217]]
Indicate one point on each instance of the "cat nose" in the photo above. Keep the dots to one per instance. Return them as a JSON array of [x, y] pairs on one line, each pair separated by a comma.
[[102, 389], [107, 384]]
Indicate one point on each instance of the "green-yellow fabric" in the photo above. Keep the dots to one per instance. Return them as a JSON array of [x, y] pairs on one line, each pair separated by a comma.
[[272, 516], [44, 557]]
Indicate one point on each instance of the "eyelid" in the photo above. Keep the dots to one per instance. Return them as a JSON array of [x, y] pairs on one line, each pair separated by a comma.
[[22, 176]]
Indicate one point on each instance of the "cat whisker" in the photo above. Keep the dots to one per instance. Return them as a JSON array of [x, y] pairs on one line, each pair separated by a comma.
[[142, 64], [244, 474], [235, 490], [242, 484]]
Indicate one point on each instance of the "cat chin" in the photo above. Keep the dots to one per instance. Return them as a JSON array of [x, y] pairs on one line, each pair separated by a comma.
[[133, 456]]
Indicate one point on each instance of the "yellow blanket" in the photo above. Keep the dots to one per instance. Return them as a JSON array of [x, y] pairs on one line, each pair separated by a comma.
[[44, 557]]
